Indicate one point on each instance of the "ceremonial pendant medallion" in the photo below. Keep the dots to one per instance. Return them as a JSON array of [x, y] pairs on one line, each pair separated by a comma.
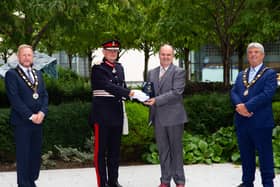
[[35, 96], [246, 92]]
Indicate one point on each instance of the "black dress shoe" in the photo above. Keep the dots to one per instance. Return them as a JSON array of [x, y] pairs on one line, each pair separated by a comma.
[[241, 185], [117, 184], [246, 185]]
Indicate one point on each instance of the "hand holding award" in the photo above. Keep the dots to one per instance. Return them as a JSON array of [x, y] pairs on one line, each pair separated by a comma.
[[140, 96]]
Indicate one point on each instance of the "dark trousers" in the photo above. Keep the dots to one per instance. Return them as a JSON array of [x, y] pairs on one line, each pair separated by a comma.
[[28, 140], [107, 143], [251, 140]]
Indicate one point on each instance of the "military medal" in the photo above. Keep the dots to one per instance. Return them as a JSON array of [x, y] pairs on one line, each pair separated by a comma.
[[114, 70], [247, 84], [34, 85]]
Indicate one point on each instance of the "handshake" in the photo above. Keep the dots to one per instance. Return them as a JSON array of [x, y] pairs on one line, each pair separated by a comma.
[[140, 96]]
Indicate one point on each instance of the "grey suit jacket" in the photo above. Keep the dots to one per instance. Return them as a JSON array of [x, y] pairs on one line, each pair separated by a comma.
[[169, 108]]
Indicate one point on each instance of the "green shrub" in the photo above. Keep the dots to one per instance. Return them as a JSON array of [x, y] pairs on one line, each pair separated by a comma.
[[3, 96], [276, 148], [140, 133], [192, 88], [7, 145], [214, 148], [66, 125], [276, 112], [207, 113], [69, 87], [277, 95]]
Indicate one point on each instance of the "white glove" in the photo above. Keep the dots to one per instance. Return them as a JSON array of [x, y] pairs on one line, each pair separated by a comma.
[[140, 96]]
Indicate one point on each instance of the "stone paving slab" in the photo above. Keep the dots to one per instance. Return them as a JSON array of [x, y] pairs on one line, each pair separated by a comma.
[[199, 175]]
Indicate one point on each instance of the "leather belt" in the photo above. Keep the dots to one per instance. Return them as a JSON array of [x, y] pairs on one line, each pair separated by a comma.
[[101, 93]]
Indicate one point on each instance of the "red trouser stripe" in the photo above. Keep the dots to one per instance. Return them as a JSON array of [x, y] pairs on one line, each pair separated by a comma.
[[96, 150]]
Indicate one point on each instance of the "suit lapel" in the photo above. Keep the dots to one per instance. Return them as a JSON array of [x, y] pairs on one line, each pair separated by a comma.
[[156, 79]]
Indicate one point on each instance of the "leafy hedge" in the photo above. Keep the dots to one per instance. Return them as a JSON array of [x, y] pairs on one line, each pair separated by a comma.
[[217, 147], [207, 113], [214, 148], [66, 126], [69, 87], [140, 136], [7, 146]]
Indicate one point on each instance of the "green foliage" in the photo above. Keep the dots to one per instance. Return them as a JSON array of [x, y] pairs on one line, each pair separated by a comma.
[[7, 146], [68, 87], [140, 133], [152, 155], [276, 112], [224, 142], [192, 88], [67, 125], [47, 161], [218, 147], [70, 154], [3, 97], [214, 148], [208, 112], [276, 148]]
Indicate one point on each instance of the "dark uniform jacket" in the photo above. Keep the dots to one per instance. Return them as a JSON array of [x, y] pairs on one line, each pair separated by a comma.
[[107, 109]]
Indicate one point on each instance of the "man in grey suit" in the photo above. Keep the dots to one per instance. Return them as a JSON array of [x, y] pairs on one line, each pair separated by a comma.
[[168, 115]]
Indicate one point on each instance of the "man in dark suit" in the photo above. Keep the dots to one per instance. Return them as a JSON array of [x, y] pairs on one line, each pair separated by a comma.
[[252, 97], [29, 105], [108, 91], [168, 115]]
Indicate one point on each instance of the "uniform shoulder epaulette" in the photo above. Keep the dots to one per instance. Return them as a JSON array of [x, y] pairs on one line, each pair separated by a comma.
[[97, 63]]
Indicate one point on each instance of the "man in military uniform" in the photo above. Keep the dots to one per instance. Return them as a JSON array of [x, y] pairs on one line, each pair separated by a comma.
[[108, 89]]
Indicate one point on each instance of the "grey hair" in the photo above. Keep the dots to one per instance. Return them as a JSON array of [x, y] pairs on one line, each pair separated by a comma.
[[255, 45], [167, 45]]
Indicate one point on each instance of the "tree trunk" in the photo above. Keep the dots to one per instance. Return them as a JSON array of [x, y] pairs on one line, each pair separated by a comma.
[[187, 63], [226, 53], [241, 53], [147, 56], [70, 57], [89, 54]]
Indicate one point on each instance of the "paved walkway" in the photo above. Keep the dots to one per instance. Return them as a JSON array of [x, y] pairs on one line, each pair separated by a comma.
[[216, 175]]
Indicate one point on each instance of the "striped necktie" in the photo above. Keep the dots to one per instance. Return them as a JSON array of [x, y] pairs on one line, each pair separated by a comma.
[[30, 76]]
